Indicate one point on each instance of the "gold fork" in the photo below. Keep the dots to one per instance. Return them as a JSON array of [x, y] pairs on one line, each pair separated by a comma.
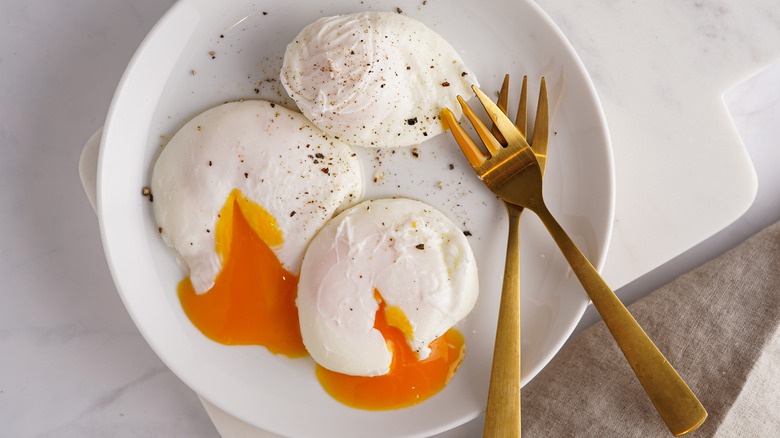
[[514, 174], [502, 417]]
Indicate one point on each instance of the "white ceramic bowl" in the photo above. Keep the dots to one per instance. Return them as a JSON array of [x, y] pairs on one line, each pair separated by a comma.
[[203, 53]]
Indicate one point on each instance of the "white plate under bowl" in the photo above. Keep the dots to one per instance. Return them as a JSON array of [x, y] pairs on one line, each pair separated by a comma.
[[203, 53]]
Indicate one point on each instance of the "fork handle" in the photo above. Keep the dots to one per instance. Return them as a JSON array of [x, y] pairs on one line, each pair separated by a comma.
[[673, 399], [502, 417]]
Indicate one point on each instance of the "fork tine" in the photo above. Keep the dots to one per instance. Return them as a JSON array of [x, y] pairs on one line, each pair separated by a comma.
[[503, 98], [507, 128], [541, 127], [467, 145], [483, 131], [522, 117]]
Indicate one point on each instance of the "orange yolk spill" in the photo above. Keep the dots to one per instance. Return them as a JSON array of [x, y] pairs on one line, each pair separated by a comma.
[[253, 298], [253, 303], [409, 381]]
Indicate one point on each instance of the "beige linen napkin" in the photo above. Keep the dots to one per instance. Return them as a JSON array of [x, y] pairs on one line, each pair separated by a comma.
[[718, 325]]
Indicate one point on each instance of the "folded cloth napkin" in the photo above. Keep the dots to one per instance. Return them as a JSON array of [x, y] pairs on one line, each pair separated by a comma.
[[718, 326]]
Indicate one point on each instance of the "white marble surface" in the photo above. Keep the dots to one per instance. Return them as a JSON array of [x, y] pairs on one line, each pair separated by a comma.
[[660, 68], [71, 361]]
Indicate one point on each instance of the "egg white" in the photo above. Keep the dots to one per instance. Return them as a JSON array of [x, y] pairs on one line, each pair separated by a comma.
[[376, 79], [274, 156], [411, 253]]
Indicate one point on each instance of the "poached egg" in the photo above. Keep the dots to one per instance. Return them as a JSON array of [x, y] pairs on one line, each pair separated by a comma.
[[239, 191], [376, 79], [398, 255]]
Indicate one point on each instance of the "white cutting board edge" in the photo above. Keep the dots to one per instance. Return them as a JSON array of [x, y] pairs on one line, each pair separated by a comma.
[[682, 172]]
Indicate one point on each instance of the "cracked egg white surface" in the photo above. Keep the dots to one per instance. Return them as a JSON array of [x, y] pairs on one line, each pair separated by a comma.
[[274, 158]]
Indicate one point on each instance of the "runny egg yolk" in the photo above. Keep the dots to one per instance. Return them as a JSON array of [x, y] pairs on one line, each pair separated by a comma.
[[410, 380], [253, 303], [253, 299]]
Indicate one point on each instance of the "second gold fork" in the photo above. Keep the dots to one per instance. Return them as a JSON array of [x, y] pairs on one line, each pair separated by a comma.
[[502, 416]]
